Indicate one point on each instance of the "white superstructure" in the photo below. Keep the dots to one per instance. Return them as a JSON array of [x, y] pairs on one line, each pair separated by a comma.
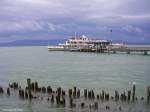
[[81, 43]]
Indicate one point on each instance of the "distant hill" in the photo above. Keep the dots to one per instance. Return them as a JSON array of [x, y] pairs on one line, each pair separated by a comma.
[[32, 43], [52, 42]]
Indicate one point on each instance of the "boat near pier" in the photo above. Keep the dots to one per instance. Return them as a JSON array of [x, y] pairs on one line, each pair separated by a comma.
[[82, 44]]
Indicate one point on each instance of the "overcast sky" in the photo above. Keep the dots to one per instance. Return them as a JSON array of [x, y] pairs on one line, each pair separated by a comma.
[[129, 20]]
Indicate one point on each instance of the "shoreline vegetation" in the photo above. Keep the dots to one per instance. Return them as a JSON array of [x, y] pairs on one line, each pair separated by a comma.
[[74, 97]]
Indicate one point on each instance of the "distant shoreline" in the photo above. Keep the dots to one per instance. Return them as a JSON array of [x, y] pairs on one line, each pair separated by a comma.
[[134, 45]]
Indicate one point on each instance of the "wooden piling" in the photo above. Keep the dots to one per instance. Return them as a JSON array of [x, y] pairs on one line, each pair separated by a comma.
[[52, 98], [116, 95], [85, 93], [26, 94], [63, 93], [78, 93], [63, 101], [8, 91], [148, 94], [92, 94], [36, 86], [43, 89], [96, 105], [58, 91], [57, 99], [49, 89], [102, 95], [97, 96], [70, 92], [74, 91], [89, 94], [133, 93], [129, 95], [29, 88], [82, 105], [107, 96], [1, 90], [71, 102]]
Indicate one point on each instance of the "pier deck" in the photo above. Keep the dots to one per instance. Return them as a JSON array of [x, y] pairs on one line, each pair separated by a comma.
[[128, 50]]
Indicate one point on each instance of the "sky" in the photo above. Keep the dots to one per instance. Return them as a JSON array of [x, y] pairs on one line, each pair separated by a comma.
[[129, 20]]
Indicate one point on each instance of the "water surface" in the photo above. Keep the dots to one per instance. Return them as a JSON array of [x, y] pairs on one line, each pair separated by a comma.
[[67, 69]]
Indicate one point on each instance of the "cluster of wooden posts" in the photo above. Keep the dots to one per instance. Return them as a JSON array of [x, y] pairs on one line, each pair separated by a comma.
[[59, 96]]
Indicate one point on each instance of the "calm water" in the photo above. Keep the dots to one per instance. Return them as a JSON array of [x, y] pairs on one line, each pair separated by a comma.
[[66, 69]]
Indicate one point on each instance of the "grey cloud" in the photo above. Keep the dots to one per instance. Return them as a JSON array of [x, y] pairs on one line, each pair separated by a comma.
[[67, 16]]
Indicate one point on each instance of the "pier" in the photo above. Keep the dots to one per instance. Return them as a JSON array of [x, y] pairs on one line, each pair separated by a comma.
[[128, 50]]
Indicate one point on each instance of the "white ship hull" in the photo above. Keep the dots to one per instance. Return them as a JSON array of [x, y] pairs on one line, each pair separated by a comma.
[[55, 48]]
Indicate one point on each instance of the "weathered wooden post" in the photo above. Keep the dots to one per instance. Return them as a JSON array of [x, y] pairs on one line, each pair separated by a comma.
[[102, 97], [71, 102], [96, 105], [92, 94], [26, 94], [63, 93], [58, 99], [21, 93], [82, 105], [129, 95], [74, 92], [36, 87], [8, 91], [63, 101], [59, 91], [107, 96], [97, 96], [1, 90], [78, 93], [52, 99], [121, 97], [32, 86], [85, 93], [116, 96], [49, 89], [133, 93], [148, 94], [43, 89], [29, 88], [89, 94], [70, 92]]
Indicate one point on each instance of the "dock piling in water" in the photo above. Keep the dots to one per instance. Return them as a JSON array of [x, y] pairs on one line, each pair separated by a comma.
[[8, 91], [73, 96], [133, 92], [78, 93], [29, 88], [1, 90], [85, 93], [148, 94], [116, 95], [129, 95], [74, 91]]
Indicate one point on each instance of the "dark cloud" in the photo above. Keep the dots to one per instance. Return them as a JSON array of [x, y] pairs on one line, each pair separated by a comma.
[[27, 19]]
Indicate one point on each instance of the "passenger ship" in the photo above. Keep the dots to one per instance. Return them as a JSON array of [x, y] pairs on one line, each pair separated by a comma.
[[81, 43]]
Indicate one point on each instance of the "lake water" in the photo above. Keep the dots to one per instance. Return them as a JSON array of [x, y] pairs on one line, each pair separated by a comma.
[[67, 69]]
